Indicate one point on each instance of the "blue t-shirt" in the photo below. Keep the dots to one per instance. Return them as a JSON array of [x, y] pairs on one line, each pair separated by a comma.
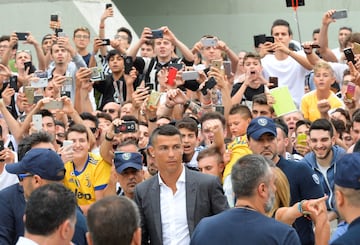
[[352, 236], [304, 184], [243, 226]]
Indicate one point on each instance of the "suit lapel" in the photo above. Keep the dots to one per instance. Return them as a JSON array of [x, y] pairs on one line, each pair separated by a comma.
[[155, 201], [191, 187]]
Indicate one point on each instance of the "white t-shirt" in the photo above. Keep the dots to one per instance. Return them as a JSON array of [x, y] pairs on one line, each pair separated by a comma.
[[7, 179], [337, 52], [289, 73]]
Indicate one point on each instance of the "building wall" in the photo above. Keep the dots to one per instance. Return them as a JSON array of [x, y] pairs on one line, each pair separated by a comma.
[[234, 21]]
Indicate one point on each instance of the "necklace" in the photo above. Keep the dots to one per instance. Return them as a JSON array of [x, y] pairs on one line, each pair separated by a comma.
[[245, 207]]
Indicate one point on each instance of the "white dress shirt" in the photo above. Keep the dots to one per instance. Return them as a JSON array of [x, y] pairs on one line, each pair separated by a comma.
[[25, 241], [175, 230]]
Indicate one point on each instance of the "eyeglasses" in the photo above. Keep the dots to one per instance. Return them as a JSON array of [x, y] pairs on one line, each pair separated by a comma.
[[22, 176], [121, 37], [82, 36], [111, 111], [93, 130]]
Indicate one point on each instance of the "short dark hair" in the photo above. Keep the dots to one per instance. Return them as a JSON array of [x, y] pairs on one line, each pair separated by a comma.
[[77, 128], [243, 110], [31, 140], [104, 115], [262, 100], [113, 220], [212, 115], [7, 38], [316, 31], [302, 122], [251, 55], [188, 123], [248, 172], [281, 22], [345, 28], [165, 130], [127, 31], [90, 117], [322, 124], [112, 53], [46, 113], [281, 124], [128, 118], [48, 207]]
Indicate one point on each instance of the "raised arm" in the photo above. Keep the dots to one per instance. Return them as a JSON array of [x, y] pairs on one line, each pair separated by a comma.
[[324, 49]]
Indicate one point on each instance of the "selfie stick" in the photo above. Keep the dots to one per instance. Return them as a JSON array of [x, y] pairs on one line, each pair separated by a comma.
[[295, 5]]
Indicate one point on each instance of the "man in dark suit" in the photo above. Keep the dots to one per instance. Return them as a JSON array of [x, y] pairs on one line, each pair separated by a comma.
[[174, 201]]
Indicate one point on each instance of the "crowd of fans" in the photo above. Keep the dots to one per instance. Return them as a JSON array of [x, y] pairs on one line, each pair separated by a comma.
[[143, 122]]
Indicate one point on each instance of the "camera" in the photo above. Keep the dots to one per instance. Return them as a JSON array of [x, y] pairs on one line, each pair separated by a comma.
[[125, 127]]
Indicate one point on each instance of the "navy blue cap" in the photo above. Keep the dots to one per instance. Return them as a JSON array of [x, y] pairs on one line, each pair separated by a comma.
[[40, 161], [347, 172], [124, 160], [259, 126]]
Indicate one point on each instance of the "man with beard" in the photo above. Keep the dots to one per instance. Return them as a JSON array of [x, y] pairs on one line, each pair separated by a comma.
[[253, 182], [323, 158], [304, 183]]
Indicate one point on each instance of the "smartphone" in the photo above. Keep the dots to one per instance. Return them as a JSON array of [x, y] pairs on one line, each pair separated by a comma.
[[356, 48], [53, 104], [57, 31], [13, 83], [2, 145], [105, 42], [216, 63], [349, 55], [209, 42], [61, 34], [274, 81], [259, 39], [29, 94], [340, 14], [227, 67], [153, 100], [269, 39], [37, 121], [350, 91], [128, 64], [128, 127], [171, 76], [290, 3], [209, 84], [157, 34], [220, 109], [301, 139], [30, 66], [190, 75], [150, 86], [22, 36], [67, 143], [54, 17], [108, 5], [178, 66]]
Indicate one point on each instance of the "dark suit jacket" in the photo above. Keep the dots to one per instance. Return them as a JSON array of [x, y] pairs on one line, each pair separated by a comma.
[[204, 197]]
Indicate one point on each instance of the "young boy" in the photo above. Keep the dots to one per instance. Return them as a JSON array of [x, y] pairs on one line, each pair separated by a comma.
[[238, 121]]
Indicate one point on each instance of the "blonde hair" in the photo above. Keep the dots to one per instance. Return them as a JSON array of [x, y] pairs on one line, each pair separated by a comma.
[[323, 65], [282, 194]]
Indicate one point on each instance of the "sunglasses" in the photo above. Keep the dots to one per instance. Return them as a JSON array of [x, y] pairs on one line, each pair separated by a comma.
[[22, 176], [109, 111]]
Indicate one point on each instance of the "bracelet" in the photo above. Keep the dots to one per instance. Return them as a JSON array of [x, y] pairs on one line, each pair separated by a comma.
[[288, 53], [152, 119], [107, 138], [101, 26], [306, 214]]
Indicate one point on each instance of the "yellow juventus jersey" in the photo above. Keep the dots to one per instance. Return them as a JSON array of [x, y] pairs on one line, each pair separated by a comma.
[[93, 177]]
